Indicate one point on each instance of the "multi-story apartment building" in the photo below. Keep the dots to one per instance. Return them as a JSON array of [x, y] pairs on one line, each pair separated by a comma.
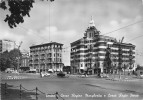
[[6, 45], [46, 57], [96, 53]]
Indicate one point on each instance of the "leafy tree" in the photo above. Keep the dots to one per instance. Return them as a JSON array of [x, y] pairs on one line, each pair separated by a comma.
[[4, 61], [3, 64], [18, 9], [14, 56], [10, 59], [138, 67], [108, 59]]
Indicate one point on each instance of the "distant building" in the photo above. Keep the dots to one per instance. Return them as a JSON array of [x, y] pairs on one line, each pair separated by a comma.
[[6, 45], [46, 57], [96, 53], [24, 62]]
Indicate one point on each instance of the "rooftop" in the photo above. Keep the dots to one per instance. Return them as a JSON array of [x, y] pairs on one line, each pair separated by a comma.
[[45, 44]]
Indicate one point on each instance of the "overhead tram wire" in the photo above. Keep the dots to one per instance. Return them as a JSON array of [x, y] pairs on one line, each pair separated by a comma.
[[25, 29], [124, 27], [135, 38], [103, 34]]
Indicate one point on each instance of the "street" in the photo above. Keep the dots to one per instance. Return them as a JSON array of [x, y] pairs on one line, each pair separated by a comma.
[[76, 88]]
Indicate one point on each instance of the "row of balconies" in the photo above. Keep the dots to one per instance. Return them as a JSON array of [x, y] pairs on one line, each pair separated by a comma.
[[101, 49], [101, 55], [43, 58], [46, 50], [46, 55], [46, 62], [100, 59]]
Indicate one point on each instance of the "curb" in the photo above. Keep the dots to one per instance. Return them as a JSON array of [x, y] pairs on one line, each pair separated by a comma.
[[121, 79], [13, 78], [16, 78]]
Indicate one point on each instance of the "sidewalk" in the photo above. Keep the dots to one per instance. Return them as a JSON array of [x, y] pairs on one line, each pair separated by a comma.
[[122, 78], [12, 76]]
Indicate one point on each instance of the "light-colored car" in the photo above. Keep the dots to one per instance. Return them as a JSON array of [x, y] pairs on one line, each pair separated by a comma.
[[141, 76], [9, 70], [103, 75], [44, 74]]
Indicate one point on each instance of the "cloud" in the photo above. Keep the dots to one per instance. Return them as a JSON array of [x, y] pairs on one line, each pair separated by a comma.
[[65, 37], [4, 34], [69, 22]]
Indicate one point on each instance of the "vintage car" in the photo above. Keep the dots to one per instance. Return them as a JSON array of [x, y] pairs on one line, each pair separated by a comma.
[[44, 74], [61, 74], [103, 75]]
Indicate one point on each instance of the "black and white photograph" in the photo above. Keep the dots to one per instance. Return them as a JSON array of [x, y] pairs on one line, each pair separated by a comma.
[[71, 49]]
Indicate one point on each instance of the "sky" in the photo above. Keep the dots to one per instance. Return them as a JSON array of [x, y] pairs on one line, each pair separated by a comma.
[[66, 21]]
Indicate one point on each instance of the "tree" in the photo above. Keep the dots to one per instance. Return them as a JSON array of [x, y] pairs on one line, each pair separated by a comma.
[[3, 64], [10, 59], [4, 61], [18, 10], [14, 56], [108, 59]]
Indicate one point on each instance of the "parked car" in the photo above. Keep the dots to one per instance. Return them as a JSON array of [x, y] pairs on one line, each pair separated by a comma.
[[103, 75], [61, 74], [83, 75], [141, 76], [9, 70], [44, 74]]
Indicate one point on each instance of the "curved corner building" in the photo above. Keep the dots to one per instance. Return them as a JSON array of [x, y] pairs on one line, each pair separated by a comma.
[[98, 53]]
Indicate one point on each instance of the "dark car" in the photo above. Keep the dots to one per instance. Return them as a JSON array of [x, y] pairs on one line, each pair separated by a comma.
[[61, 74]]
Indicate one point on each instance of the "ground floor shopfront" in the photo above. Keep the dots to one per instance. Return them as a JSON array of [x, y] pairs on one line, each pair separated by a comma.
[[53, 67]]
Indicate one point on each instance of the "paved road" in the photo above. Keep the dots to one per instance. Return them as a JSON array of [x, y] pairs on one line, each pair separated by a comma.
[[75, 88]]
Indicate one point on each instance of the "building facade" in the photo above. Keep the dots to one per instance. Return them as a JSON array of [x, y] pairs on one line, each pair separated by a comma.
[[46, 57], [6, 45], [24, 62], [98, 53]]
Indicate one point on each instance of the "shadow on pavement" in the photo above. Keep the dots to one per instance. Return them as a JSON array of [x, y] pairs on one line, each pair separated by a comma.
[[14, 94], [124, 91]]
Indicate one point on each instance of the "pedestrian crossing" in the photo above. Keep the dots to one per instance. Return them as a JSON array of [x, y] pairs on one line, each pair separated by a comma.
[[17, 78], [13, 78]]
